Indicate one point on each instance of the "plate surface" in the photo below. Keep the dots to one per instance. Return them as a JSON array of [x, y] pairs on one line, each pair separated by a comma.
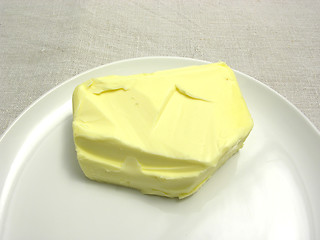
[[269, 190]]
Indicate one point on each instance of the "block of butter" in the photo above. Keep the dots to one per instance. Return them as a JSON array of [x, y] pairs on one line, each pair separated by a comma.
[[164, 133]]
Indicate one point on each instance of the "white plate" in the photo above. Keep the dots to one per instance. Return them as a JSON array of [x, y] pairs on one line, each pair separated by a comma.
[[270, 190]]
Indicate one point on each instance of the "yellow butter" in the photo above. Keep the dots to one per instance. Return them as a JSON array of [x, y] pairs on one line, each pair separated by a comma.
[[164, 133]]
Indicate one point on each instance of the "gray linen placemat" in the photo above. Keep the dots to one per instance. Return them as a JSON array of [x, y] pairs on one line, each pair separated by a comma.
[[43, 43]]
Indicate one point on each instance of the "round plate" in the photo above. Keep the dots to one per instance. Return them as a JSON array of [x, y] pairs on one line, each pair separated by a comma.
[[269, 190]]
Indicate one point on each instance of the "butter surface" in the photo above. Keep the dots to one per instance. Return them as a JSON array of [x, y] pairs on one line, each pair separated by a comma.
[[164, 133]]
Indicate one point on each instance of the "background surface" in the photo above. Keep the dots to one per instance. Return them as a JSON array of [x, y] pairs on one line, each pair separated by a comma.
[[44, 43]]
